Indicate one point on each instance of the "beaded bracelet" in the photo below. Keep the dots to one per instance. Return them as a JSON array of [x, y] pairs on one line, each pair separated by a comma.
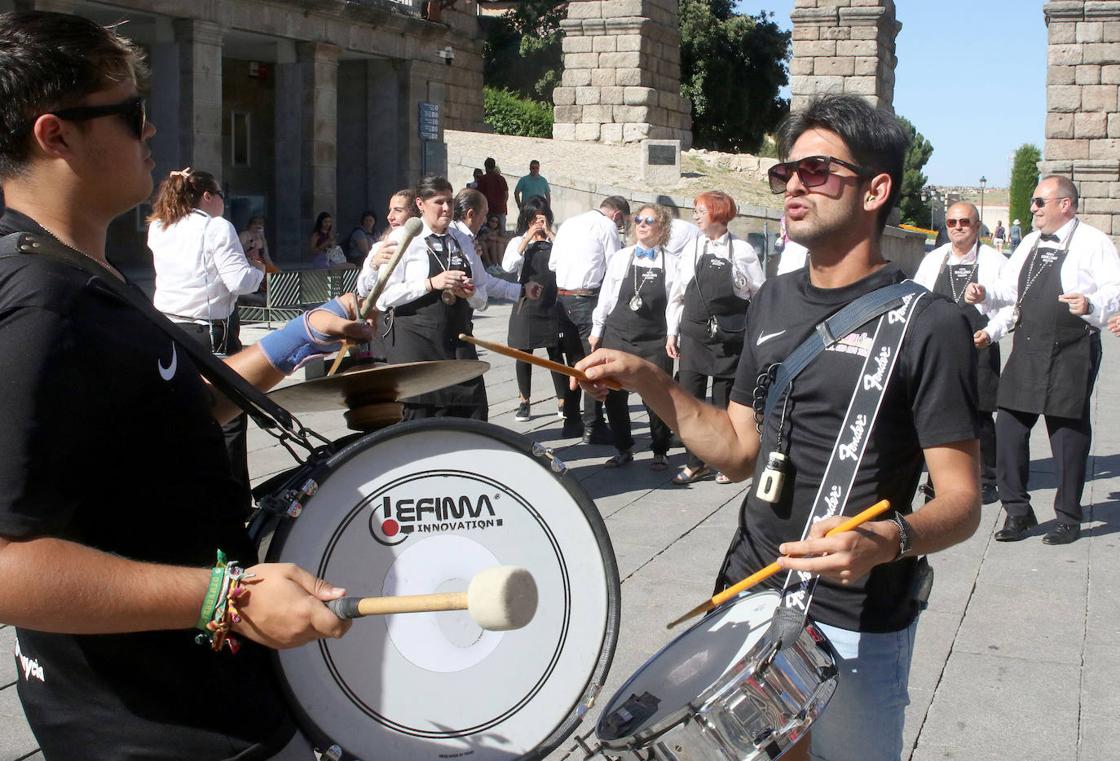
[[224, 613]]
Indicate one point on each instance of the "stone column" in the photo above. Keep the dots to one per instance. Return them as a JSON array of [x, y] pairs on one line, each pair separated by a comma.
[[621, 80], [318, 65], [1082, 92], [287, 206], [844, 46], [200, 94]]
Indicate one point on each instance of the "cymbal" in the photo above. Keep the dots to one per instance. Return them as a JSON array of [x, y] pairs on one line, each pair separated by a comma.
[[380, 383]]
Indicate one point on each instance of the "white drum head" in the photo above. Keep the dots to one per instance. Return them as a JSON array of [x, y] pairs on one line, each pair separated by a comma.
[[421, 508], [658, 695]]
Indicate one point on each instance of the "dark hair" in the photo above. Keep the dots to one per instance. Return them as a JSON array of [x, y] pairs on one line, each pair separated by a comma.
[[254, 218], [409, 196], [179, 193], [367, 213], [528, 214], [876, 139], [52, 61], [618, 203], [1065, 186], [489, 163], [468, 199], [319, 221], [433, 185]]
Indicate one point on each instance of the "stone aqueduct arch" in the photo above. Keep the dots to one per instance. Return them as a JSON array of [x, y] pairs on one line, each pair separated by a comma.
[[621, 81]]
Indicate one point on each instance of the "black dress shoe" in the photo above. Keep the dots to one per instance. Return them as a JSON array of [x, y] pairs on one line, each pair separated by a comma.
[[1063, 533], [598, 434], [572, 428], [989, 494], [1016, 527]]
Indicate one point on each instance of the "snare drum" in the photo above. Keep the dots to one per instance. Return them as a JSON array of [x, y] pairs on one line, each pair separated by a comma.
[[721, 692], [418, 508]]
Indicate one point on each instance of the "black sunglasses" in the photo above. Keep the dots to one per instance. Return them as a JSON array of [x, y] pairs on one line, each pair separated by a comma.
[[134, 111], [813, 171], [1040, 202], [963, 222], [651, 221]]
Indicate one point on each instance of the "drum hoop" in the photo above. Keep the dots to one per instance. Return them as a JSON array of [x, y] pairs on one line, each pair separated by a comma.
[[590, 513], [674, 719]]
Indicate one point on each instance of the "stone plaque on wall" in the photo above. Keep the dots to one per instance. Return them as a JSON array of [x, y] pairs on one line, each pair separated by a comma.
[[661, 161]]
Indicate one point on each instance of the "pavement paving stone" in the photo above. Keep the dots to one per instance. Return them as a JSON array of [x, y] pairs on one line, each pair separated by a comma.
[[8, 671], [16, 740], [1098, 736], [1046, 626], [1099, 679]]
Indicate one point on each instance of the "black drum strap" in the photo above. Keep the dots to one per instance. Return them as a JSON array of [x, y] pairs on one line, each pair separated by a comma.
[[847, 453], [265, 413]]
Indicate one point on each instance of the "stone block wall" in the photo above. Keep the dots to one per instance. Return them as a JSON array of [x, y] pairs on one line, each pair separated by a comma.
[[463, 105], [1083, 105], [621, 80], [844, 46]]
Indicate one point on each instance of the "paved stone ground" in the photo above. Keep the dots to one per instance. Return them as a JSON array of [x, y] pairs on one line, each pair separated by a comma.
[[1015, 657]]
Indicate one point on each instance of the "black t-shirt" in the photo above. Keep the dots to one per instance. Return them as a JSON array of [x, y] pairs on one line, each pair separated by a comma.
[[930, 401], [107, 439]]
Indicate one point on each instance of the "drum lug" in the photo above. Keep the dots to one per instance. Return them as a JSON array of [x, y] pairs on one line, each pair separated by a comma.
[[333, 753], [558, 466], [297, 497]]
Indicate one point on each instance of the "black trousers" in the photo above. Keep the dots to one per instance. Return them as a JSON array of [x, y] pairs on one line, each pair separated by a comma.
[[697, 385], [987, 448], [618, 415], [524, 373], [575, 319], [224, 337], [1069, 443]]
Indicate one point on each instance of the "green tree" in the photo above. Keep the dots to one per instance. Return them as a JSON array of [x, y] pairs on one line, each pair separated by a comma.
[[732, 69], [509, 114], [522, 49], [1024, 178], [914, 210]]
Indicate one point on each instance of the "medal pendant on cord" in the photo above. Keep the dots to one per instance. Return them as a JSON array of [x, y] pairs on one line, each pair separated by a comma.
[[636, 303]]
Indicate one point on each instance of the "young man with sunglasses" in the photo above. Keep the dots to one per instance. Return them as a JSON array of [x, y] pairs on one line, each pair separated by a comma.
[[117, 488], [1062, 284], [841, 176], [948, 270]]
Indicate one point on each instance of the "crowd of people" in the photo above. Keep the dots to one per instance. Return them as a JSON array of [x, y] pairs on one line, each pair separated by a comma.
[[111, 590]]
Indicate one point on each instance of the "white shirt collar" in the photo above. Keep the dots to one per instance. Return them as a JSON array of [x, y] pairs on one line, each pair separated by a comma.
[[968, 258], [1063, 232]]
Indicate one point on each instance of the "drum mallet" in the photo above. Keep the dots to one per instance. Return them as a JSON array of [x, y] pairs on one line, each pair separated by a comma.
[[403, 236], [856, 520], [499, 599]]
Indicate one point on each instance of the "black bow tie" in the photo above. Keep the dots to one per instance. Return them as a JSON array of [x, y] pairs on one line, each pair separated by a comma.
[[1045, 237]]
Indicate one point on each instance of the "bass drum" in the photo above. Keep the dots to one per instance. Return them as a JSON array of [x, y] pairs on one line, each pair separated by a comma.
[[419, 508]]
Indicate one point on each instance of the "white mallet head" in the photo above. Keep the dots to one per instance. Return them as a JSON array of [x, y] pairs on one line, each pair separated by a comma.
[[502, 598]]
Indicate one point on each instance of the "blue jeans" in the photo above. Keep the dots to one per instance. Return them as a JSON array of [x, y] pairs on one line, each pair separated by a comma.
[[864, 720]]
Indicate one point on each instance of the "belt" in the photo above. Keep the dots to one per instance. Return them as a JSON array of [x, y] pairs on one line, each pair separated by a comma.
[[578, 292]]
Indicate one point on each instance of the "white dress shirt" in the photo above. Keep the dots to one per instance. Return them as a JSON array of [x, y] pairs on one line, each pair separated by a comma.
[[617, 269], [495, 287], [746, 272], [367, 278], [514, 257], [201, 268], [581, 249], [794, 257], [681, 235], [409, 280], [988, 271], [1091, 268]]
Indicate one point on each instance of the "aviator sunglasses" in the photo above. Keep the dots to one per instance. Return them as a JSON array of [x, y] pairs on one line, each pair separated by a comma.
[[651, 221], [812, 171], [133, 111], [963, 222], [1040, 201]]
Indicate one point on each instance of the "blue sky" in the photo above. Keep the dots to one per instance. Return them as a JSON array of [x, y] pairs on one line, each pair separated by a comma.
[[971, 76]]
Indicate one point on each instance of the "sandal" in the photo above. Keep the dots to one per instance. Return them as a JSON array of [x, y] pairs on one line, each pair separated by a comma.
[[620, 459], [721, 478], [660, 462], [686, 475]]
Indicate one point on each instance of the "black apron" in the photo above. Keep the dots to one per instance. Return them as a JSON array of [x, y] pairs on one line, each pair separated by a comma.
[[535, 324], [428, 329], [1050, 370], [987, 359], [712, 294], [641, 332]]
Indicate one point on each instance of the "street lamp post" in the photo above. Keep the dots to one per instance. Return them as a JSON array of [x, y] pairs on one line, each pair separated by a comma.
[[983, 182]]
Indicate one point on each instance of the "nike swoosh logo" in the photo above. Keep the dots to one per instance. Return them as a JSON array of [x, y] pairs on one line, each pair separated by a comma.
[[763, 338], [167, 373]]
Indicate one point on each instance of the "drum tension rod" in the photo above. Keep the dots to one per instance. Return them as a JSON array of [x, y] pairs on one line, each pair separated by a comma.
[[558, 466]]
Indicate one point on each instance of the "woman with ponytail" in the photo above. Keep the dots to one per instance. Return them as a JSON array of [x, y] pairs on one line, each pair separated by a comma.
[[201, 269]]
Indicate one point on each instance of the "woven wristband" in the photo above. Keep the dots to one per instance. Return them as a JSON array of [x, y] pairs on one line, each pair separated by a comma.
[[210, 602]]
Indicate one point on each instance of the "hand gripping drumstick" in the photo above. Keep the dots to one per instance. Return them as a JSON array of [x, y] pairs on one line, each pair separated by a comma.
[[499, 599], [403, 236], [872, 512], [525, 356]]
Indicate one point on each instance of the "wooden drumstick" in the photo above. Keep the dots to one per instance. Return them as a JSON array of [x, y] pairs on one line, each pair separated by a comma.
[[872, 512], [499, 599], [525, 356], [403, 236]]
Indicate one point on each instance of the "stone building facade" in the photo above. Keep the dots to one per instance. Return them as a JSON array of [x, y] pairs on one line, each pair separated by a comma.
[[622, 73], [298, 106], [844, 46], [1083, 105]]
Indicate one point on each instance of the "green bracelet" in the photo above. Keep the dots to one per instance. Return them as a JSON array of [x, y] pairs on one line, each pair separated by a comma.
[[210, 602]]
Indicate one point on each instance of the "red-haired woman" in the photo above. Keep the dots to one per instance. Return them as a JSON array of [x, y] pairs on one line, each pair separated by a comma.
[[707, 309]]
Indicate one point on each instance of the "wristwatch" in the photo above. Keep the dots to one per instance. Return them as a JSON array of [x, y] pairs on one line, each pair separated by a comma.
[[905, 535]]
